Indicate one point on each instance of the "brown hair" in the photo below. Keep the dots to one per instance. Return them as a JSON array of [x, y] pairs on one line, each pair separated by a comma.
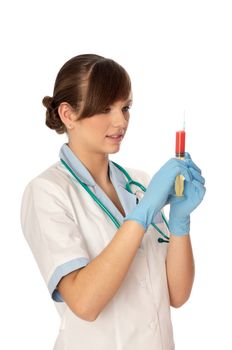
[[94, 80]]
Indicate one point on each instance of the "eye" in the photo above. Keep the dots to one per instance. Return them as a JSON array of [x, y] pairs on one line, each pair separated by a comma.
[[126, 108], [106, 110]]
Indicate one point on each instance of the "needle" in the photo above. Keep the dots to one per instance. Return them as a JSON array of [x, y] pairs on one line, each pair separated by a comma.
[[184, 121]]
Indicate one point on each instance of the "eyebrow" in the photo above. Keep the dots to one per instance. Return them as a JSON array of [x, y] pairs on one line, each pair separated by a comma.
[[125, 101]]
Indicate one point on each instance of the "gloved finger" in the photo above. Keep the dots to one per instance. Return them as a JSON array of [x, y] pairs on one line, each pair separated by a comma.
[[197, 176], [191, 164], [178, 167], [171, 163], [200, 189], [188, 160], [187, 155], [181, 169], [167, 164], [173, 199]]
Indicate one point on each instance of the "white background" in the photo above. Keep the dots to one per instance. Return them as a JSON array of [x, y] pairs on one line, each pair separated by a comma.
[[179, 57]]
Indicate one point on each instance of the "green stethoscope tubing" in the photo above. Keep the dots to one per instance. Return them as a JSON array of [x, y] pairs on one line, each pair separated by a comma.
[[103, 207]]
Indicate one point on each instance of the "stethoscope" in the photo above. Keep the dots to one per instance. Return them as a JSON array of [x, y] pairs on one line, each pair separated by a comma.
[[164, 239]]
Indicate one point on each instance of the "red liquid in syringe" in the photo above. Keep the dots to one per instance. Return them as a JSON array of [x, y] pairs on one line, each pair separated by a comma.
[[180, 143]]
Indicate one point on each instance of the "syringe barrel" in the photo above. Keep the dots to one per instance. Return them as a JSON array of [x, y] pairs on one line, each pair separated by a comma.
[[180, 153], [180, 143]]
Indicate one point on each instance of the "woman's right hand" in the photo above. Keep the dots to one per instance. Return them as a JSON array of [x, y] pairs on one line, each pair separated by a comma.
[[158, 190]]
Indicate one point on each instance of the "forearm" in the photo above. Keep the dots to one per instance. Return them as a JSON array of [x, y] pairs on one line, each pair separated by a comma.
[[95, 285], [180, 269]]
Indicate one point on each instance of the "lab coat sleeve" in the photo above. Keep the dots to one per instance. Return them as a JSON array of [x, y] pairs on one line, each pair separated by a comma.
[[51, 232]]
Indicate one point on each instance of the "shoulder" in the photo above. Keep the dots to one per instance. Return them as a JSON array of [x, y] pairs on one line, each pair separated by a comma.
[[53, 180], [45, 195]]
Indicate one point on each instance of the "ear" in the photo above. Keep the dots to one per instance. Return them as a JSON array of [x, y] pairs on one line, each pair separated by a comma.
[[66, 113]]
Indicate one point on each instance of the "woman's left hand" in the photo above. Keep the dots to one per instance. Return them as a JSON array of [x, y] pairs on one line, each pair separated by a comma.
[[181, 207]]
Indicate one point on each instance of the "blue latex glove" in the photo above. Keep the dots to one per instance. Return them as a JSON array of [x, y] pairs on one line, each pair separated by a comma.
[[158, 191], [181, 207]]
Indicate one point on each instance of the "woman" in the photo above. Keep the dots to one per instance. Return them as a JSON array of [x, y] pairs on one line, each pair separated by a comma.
[[112, 281]]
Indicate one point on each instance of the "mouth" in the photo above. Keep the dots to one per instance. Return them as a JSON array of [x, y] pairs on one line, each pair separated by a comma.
[[118, 137]]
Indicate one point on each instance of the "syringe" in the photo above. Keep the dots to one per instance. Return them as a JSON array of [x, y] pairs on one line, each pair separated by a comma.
[[180, 153]]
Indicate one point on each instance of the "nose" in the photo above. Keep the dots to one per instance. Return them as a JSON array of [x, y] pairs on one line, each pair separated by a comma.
[[120, 118]]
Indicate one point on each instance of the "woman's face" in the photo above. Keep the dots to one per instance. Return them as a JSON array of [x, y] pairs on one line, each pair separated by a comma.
[[93, 134]]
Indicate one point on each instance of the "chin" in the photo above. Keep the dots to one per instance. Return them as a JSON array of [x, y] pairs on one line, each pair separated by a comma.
[[112, 151]]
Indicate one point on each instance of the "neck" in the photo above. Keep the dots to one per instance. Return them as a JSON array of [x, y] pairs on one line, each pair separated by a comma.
[[97, 164]]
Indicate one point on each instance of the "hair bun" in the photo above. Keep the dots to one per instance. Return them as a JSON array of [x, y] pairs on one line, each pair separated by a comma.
[[53, 120], [48, 102]]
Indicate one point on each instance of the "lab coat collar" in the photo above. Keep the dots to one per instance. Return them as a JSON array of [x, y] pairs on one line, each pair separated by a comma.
[[80, 170], [76, 165], [118, 179]]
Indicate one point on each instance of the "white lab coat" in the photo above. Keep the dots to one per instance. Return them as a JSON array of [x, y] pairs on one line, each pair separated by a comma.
[[66, 229]]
